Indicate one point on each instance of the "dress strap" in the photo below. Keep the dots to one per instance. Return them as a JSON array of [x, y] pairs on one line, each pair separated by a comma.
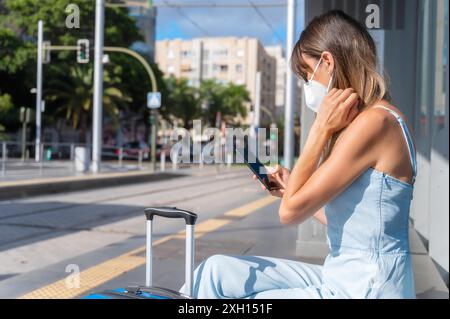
[[409, 140]]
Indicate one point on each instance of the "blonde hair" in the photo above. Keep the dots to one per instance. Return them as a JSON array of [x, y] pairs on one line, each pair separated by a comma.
[[354, 53]]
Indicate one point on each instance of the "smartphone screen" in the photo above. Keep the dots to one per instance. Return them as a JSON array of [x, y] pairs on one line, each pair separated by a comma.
[[257, 168]]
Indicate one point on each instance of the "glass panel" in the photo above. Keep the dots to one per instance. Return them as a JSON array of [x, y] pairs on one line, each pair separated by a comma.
[[425, 78], [441, 67]]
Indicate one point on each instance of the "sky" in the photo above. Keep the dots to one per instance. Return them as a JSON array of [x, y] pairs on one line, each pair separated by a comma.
[[172, 23]]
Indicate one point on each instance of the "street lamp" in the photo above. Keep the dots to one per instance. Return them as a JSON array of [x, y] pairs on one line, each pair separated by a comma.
[[98, 85], [290, 90], [39, 90]]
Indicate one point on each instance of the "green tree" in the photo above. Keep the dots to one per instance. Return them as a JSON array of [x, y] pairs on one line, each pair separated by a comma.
[[182, 101], [228, 99], [5, 108], [235, 98], [16, 72], [14, 53], [137, 84], [75, 97], [120, 30]]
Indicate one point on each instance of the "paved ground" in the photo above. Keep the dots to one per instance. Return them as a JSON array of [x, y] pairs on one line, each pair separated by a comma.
[[102, 232], [15, 170], [40, 232]]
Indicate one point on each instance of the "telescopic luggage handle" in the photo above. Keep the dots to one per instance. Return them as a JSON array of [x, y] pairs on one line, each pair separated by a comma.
[[171, 212], [190, 219]]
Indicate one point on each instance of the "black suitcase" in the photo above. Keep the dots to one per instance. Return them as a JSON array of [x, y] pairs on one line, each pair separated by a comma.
[[149, 291]]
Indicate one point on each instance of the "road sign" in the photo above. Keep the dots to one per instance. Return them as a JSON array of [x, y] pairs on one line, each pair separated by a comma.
[[83, 51], [154, 100]]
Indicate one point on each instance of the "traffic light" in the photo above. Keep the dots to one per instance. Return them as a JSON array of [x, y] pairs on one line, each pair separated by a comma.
[[25, 115], [83, 51], [46, 52], [273, 132], [273, 136]]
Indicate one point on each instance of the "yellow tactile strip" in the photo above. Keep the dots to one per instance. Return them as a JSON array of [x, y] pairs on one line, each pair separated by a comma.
[[112, 268]]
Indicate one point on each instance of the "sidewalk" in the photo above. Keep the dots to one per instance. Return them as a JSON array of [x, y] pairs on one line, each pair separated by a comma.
[[68, 180], [15, 170], [261, 234], [238, 233]]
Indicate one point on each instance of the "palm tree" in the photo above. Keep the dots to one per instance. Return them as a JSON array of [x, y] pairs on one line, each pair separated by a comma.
[[235, 98], [182, 101], [228, 99], [75, 97]]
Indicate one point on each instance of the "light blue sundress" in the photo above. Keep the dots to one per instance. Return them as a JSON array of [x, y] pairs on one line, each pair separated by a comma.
[[369, 249]]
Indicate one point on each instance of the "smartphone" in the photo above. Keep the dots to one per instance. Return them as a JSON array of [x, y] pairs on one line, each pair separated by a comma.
[[258, 169]]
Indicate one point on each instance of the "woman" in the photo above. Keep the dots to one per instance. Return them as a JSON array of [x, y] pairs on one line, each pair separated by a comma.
[[355, 175]]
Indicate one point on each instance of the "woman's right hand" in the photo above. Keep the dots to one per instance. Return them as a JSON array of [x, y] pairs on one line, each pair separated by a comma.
[[278, 175], [338, 109]]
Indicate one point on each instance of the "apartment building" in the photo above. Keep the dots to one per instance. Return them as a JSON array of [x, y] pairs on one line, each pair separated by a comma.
[[225, 59], [282, 61], [277, 52]]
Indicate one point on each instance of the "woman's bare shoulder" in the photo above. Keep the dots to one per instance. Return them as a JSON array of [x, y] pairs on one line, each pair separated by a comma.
[[369, 124]]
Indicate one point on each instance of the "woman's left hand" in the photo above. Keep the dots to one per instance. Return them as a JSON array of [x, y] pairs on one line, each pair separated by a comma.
[[279, 176], [338, 110]]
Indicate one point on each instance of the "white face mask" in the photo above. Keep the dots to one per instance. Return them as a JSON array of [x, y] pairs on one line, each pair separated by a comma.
[[315, 91]]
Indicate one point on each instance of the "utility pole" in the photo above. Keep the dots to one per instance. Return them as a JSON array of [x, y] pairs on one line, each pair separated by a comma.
[[290, 89], [98, 86], [154, 139], [37, 152], [257, 115], [153, 103], [25, 116]]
